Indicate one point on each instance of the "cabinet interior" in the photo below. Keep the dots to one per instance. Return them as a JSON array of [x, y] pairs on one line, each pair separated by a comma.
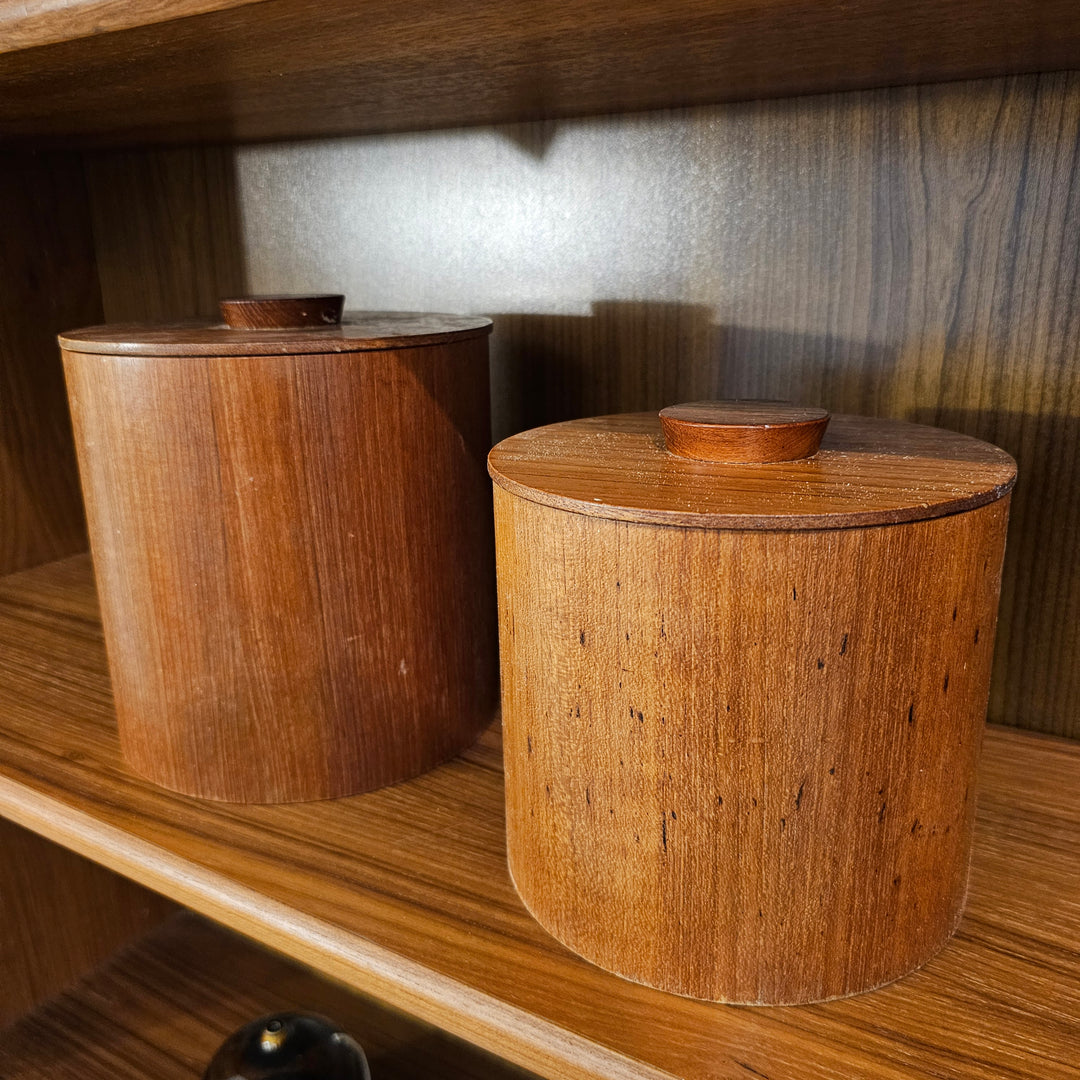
[[909, 251]]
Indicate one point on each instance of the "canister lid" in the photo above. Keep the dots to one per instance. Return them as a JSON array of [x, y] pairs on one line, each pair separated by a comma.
[[278, 325], [867, 471]]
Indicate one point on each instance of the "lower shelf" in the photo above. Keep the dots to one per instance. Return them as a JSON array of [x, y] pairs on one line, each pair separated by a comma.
[[404, 895], [161, 1007]]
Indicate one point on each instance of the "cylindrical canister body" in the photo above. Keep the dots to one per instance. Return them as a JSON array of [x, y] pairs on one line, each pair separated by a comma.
[[292, 550], [740, 760]]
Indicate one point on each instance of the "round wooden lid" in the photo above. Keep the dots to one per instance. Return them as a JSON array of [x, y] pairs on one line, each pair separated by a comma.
[[358, 331], [867, 472]]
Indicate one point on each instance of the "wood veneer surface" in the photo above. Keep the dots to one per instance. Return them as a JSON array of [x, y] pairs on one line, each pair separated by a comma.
[[868, 472], [911, 253], [295, 556], [359, 331], [48, 280], [159, 1009], [60, 916], [405, 894], [295, 67], [740, 764]]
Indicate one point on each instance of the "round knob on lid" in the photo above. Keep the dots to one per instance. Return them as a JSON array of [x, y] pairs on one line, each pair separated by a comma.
[[289, 1046], [743, 431], [282, 312]]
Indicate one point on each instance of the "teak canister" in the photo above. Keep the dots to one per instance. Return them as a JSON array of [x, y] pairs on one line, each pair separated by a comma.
[[290, 528], [743, 696]]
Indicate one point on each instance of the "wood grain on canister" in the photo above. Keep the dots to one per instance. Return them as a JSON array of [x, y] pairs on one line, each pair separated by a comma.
[[293, 554], [740, 761]]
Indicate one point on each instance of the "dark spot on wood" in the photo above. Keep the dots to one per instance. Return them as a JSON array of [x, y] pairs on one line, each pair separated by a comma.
[[760, 913], [627, 635], [896, 881], [945, 688], [528, 739], [753, 800], [547, 788], [637, 839], [719, 800], [631, 710], [612, 811], [750, 1068], [621, 762], [881, 812], [673, 817], [911, 713], [588, 798], [663, 720], [954, 614], [832, 770], [728, 709], [663, 632], [641, 719], [976, 635], [798, 798], [581, 637], [783, 824], [618, 584], [820, 663], [794, 594], [577, 711]]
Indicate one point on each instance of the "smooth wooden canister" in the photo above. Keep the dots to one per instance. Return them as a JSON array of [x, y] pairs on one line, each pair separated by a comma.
[[289, 522], [743, 700]]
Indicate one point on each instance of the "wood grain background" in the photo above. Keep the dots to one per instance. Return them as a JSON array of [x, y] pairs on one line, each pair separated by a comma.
[[61, 916], [160, 1008], [910, 253], [47, 278], [211, 70]]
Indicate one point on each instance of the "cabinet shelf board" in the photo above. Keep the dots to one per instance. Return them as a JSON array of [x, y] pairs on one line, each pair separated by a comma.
[[161, 1006], [229, 70], [403, 894]]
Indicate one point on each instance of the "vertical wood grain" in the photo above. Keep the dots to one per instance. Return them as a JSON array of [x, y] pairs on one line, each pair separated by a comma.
[[294, 556], [48, 281], [167, 232], [60, 915], [911, 252], [740, 765]]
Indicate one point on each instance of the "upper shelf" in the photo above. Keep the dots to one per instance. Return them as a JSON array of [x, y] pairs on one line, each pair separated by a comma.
[[404, 894], [126, 71]]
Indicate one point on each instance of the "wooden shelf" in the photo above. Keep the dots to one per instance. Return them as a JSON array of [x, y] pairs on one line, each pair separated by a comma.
[[192, 70], [162, 1006], [403, 894]]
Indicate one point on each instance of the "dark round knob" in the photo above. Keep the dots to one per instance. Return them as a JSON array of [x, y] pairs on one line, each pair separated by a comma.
[[743, 431], [289, 1046], [282, 312]]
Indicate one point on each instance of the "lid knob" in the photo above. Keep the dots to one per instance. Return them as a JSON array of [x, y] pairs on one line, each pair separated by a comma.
[[282, 312], [743, 431]]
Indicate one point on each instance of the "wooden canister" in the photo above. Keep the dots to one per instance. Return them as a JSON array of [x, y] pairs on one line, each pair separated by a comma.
[[743, 697], [290, 528]]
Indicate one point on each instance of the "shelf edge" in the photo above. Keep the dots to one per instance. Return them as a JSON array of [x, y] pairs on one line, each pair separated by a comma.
[[368, 968]]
